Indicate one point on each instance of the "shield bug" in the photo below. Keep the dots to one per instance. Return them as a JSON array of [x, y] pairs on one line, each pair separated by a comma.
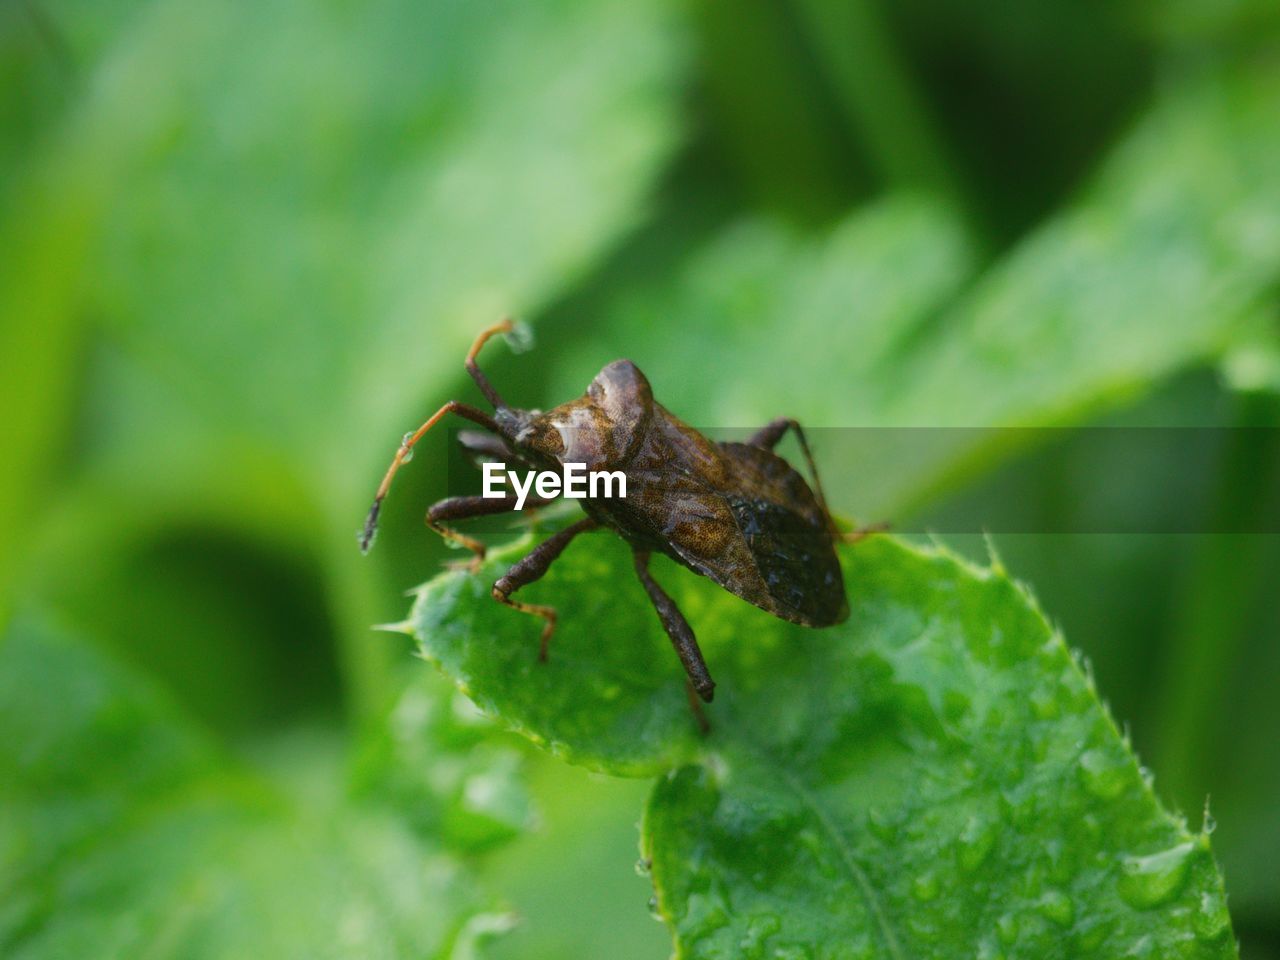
[[736, 513]]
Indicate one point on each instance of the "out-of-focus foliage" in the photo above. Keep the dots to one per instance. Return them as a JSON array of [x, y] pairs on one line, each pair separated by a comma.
[[226, 230], [242, 249], [158, 844]]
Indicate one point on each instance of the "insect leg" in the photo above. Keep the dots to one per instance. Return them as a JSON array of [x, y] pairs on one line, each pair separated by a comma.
[[678, 630], [453, 406], [695, 705], [531, 567], [463, 508], [768, 437]]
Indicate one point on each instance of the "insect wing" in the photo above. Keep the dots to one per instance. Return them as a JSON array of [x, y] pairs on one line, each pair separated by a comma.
[[788, 536], [761, 535]]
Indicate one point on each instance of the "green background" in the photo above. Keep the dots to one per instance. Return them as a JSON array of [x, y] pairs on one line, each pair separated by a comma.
[[243, 249]]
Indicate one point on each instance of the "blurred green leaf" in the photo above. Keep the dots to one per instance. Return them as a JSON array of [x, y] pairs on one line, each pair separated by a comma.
[[1166, 261], [936, 771], [294, 216], [300, 213], [436, 760], [126, 833]]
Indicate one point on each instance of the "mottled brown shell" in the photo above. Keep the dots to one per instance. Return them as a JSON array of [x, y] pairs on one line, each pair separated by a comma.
[[735, 513]]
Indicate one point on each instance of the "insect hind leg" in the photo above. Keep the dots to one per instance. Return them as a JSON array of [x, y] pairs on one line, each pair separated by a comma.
[[532, 566], [682, 638], [768, 437]]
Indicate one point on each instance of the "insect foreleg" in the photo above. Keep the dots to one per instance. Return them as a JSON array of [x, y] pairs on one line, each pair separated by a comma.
[[531, 567], [463, 508], [678, 630]]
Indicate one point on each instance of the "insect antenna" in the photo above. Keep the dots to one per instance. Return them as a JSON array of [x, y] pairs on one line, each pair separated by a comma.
[[487, 388], [405, 453]]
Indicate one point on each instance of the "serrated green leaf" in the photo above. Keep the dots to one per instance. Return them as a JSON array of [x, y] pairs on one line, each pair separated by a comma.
[[127, 834], [603, 699], [935, 776]]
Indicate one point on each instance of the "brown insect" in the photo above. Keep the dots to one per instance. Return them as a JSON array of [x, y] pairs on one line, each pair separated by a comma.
[[736, 513]]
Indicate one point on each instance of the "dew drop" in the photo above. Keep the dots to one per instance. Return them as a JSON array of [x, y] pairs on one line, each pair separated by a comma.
[[1057, 906], [1093, 935], [925, 887], [406, 451], [653, 908], [1044, 703], [643, 866], [759, 929], [1152, 880], [1211, 920], [1141, 948], [821, 858], [882, 824], [520, 337], [923, 927], [1103, 774], [955, 705], [976, 841], [1092, 828], [1007, 929], [704, 914]]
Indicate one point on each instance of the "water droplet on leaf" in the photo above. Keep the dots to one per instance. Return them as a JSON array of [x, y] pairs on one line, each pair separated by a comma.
[[976, 841], [1103, 774], [1044, 703], [883, 824], [925, 887], [1057, 907], [1007, 929], [759, 929], [1154, 879], [703, 915], [1211, 920]]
